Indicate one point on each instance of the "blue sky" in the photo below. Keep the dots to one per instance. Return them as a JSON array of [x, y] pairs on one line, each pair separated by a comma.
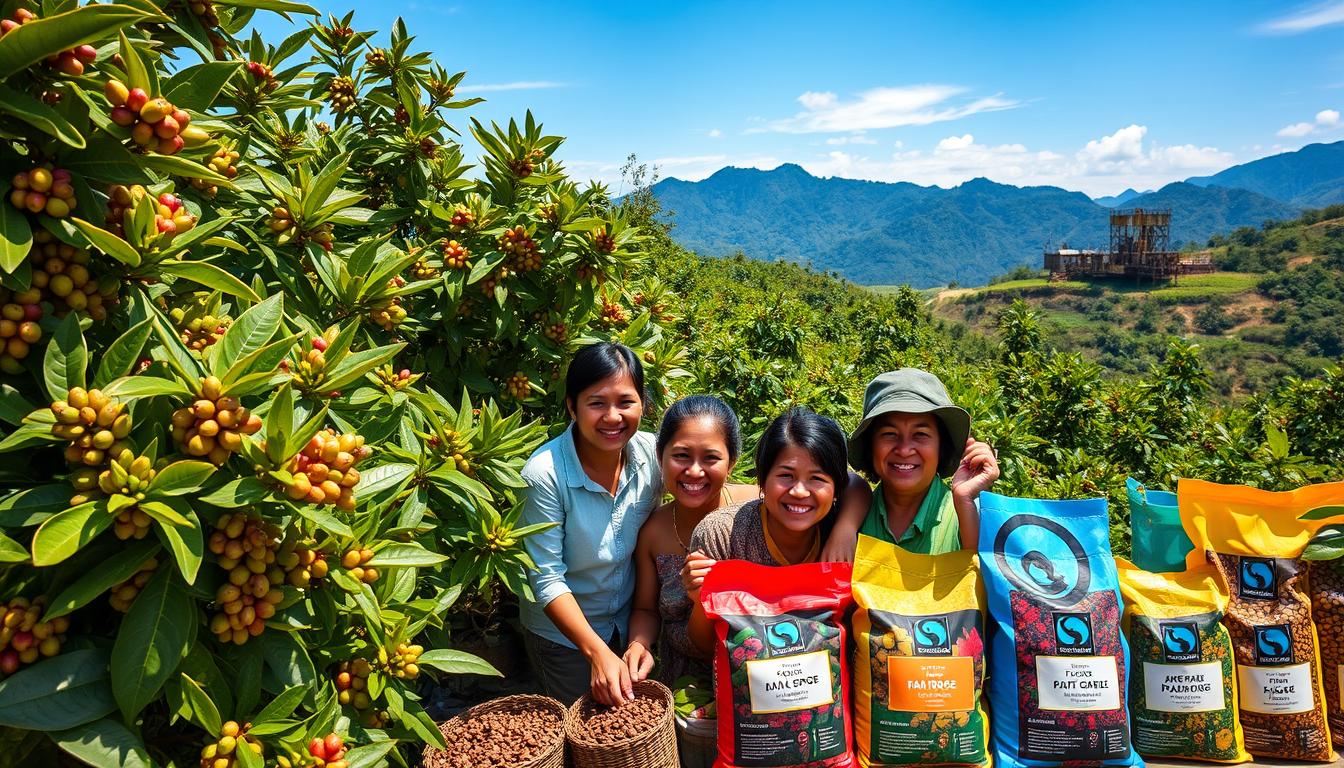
[[1089, 96]]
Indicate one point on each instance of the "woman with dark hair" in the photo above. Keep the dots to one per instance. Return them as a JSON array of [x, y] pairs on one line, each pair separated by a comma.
[[697, 446], [917, 444], [802, 472], [596, 483]]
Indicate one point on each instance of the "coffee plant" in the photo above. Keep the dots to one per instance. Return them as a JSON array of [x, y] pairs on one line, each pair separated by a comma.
[[273, 356]]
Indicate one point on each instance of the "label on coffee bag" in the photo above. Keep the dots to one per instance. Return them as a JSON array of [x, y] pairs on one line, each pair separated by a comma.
[[790, 683], [1276, 690], [1183, 687], [1078, 683]]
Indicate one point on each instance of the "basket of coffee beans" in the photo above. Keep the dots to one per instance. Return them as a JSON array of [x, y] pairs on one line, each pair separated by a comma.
[[637, 733], [522, 731]]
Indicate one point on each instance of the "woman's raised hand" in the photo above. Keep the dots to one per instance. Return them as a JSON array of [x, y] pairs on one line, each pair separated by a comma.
[[693, 573], [978, 470]]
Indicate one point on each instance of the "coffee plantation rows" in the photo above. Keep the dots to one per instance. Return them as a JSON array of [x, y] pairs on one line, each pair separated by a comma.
[[271, 362]]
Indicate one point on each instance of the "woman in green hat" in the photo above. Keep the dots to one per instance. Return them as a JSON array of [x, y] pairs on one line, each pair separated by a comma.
[[930, 471]]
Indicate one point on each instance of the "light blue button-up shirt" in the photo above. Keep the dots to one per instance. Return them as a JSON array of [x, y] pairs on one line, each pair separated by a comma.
[[590, 553]]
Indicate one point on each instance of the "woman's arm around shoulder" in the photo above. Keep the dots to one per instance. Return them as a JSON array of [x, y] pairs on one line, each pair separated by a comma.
[[844, 536]]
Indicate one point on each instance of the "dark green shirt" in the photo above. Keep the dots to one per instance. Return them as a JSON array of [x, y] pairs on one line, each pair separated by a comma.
[[934, 531]]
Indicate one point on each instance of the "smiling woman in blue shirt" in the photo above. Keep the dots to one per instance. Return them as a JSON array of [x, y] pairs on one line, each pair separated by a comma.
[[598, 481]]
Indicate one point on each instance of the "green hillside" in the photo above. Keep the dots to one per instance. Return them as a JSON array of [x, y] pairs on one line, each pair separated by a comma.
[[1272, 312]]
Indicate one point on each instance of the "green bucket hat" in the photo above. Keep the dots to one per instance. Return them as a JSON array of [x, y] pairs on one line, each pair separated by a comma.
[[909, 390]]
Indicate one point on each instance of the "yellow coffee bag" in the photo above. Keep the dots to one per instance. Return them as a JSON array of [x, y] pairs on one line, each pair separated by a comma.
[[1254, 540], [919, 666], [1183, 684]]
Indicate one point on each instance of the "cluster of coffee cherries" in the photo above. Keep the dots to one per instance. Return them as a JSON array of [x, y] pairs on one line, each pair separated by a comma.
[[171, 216], [263, 76], [303, 564], [311, 368], [402, 661], [462, 218], [199, 331], [341, 94], [205, 11], [495, 278], [223, 751], [516, 387], [19, 331], [286, 230], [602, 242], [356, 561], [393, 380], [61, 273], [154, 122], [214, 424], [24, 638], [70, 62], [352, 690], [424, 269], [522, 167], [324, 471], [557, 332], [124, 593], [94, 423], [613, 315], [43, 190], [524, 254], [223, 163], [388, 313], [128, 475], [455, 255], [452, 447], [328, 752], [246, 547]]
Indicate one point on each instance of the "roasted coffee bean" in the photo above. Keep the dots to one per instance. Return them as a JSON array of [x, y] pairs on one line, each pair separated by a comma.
[[614, 725], [498, 739]]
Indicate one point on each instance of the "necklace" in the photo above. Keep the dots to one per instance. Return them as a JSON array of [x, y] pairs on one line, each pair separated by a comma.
[[676, 530]]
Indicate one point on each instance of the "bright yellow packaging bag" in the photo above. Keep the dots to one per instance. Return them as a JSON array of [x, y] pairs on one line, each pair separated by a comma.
[[1254, 539], [919, 667], [1182, 683]]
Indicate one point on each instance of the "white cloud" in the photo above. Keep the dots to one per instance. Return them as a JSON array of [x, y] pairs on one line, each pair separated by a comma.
[[1105, 165], [715, 133], [521, 85], [855, 138], [955, 143], [1121, 146], [813, 100], [1296, 130], [1306, 19], [1326, 120], [887, 107]]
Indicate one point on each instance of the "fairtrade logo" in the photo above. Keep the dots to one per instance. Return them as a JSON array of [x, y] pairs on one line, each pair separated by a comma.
[[1257, 573], [1257, 577], [1072, 629], [931, 632], [783, 635], [1180, 641], [1271, 641]]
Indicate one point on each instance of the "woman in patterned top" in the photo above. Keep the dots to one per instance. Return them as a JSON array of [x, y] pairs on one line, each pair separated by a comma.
[[802, 470]]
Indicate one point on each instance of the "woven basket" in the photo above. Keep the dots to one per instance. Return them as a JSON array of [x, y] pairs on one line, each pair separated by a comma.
[[553, 757], [655, 748]]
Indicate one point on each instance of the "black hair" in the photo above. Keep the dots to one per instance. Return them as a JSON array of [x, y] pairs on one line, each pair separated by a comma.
[[820, 436], [701, 406], [598, 362]]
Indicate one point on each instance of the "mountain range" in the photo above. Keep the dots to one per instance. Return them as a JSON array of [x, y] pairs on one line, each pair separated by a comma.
[[887, 233]]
